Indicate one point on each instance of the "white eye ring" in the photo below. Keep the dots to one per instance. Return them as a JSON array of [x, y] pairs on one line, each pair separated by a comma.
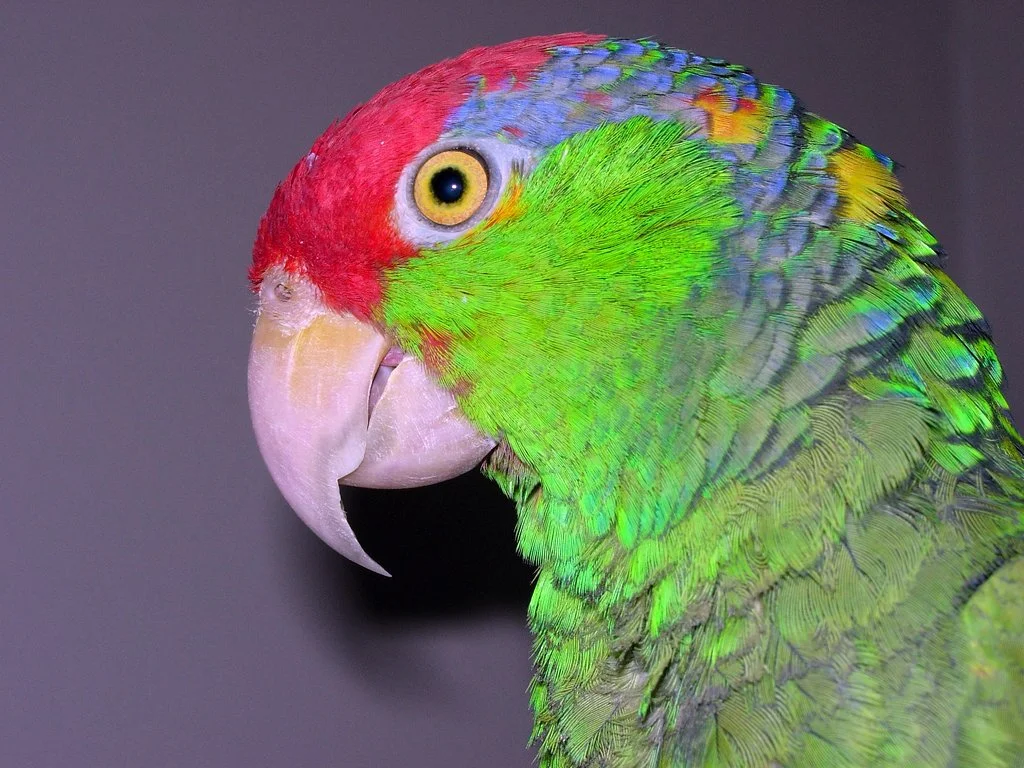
[[501, 160]]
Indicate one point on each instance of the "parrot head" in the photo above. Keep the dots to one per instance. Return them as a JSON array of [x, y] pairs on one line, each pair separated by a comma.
[[539, 246], [334, 394]]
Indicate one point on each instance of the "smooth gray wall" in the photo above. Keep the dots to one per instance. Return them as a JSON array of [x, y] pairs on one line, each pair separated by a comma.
[[160, 605]]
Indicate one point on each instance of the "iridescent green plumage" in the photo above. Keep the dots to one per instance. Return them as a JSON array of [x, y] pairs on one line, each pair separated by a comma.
[[755, 435]]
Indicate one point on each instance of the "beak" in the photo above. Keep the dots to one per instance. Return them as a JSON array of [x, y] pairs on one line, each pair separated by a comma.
[[332, 401]]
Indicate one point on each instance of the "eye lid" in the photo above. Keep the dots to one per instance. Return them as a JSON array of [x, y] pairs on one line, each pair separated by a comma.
[[501, 158]]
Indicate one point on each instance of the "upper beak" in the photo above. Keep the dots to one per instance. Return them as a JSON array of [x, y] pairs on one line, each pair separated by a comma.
[[311, 371]]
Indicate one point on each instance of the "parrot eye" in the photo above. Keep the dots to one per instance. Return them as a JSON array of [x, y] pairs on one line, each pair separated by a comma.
[[453, 185], [450, 187]]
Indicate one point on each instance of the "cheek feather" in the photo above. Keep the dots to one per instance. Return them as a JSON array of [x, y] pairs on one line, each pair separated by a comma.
[[435, 348]]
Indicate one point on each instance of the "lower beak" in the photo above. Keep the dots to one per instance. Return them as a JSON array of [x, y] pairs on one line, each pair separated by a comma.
[[311, 371]]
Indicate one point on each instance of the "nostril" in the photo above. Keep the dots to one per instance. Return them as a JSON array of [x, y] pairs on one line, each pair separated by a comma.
[[283, 291]]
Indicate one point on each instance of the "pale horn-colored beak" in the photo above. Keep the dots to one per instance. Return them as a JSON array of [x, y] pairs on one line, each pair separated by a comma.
[[311, 371]]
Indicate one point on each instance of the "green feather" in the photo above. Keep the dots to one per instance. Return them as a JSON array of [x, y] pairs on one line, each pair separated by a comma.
[[775, 508]]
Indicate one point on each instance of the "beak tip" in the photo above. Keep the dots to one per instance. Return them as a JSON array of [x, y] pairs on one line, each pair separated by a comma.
[[372, 565], [336, 532]]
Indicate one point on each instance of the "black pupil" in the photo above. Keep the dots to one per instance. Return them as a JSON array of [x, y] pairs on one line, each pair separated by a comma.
[[448, 185]]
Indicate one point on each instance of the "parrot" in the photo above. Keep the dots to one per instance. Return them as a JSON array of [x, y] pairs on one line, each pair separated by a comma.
[[756, 437]]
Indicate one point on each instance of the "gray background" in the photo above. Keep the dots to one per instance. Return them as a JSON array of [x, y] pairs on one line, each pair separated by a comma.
[[160, 605]]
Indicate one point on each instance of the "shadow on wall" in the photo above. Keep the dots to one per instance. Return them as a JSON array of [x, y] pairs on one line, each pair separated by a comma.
[[449, 547], [451, 551]]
